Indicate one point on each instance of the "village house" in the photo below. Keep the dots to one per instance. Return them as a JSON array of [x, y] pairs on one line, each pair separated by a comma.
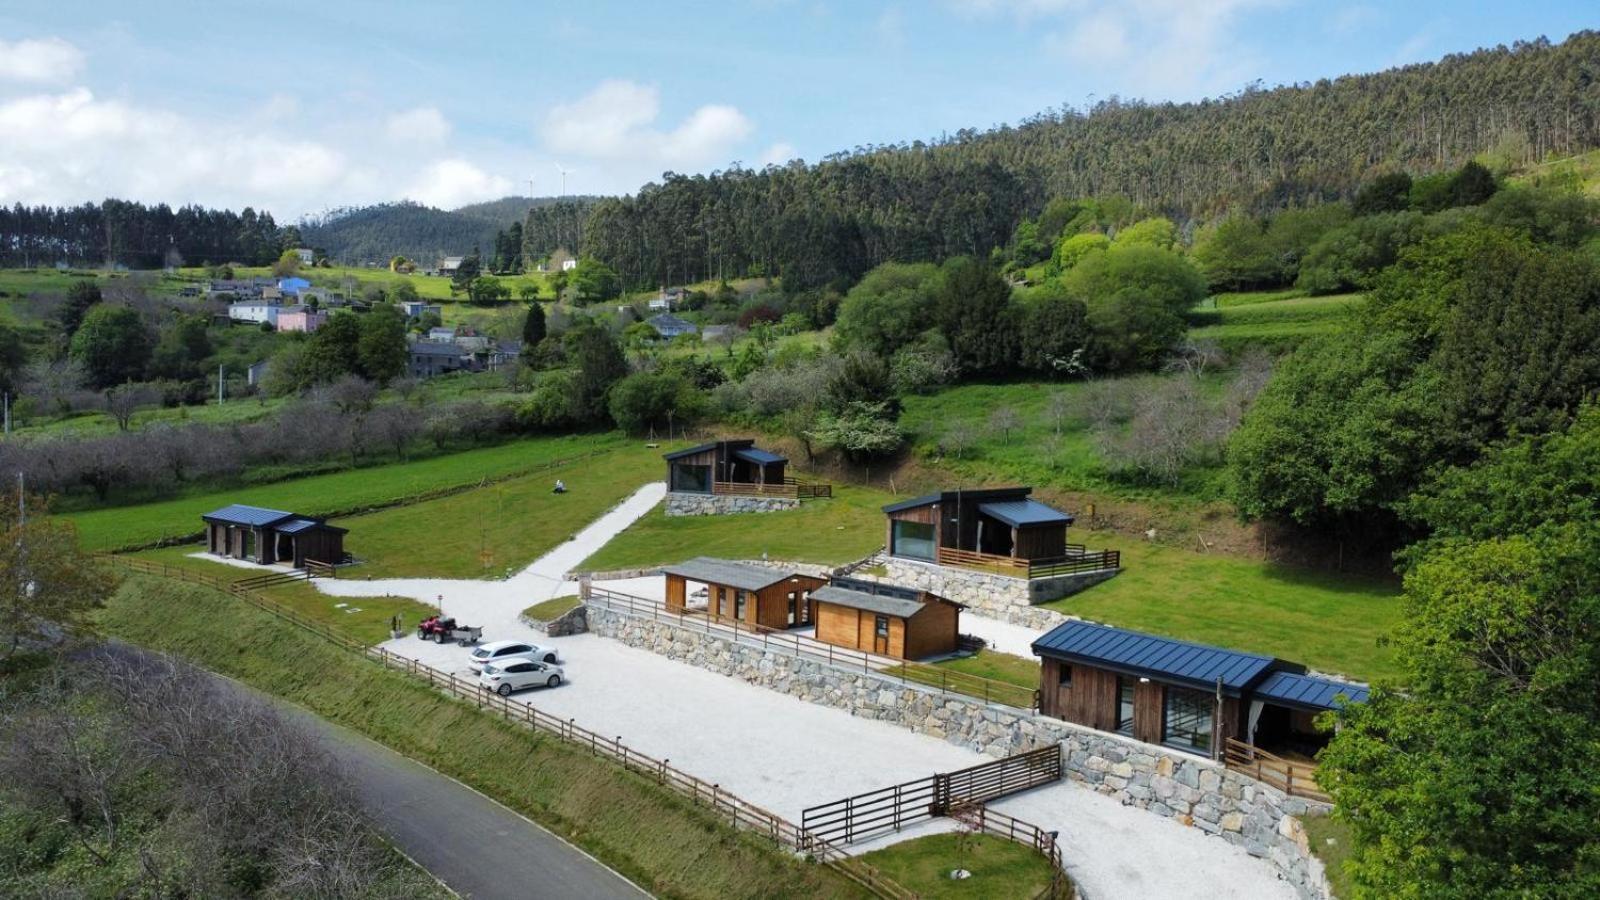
[[1190, 697], [256, 373], [416, 309], [885, 619], [255, 311], [268, 536], [670, 326], [447, 267], [441, 335], [748, 594], [301, 318], [431, 358], [306, 255], [293, 285]]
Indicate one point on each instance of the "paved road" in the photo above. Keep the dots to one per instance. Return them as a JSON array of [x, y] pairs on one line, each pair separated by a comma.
[[477, 847]]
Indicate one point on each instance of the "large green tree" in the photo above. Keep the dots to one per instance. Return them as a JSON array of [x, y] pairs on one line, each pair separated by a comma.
[[974, 311], [334, 351], [113, 345], [890, 307], [381, 346], [1478, 778]]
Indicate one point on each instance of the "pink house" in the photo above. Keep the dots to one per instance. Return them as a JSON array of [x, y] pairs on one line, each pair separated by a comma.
[[302, 319]]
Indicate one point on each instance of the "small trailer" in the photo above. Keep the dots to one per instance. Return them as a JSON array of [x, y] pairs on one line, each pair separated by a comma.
[[443, 630]]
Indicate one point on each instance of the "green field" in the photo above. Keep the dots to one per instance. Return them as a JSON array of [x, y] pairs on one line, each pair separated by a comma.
[[1000, 868], [137, 526], [1330, 841], [661, 841], [1274, 320], [1330, 623], [1032, 453], [835, 531], [1017, 670]]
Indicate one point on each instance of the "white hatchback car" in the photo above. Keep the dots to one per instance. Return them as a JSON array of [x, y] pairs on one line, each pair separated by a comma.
[[499, 650], [516, 673]]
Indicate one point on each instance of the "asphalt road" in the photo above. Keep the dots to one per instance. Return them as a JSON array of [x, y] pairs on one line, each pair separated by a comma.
[[477, 847]]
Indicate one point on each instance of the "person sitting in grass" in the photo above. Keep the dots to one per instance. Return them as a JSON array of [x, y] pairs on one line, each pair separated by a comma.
[[560, 488]]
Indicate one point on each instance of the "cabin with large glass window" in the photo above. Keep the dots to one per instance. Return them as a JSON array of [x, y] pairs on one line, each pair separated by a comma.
[[737, 467], [1189, 697], [1002, 530]]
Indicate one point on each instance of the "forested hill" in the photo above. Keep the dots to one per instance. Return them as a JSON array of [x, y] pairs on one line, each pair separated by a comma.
[[1259, 149], [423, 233]]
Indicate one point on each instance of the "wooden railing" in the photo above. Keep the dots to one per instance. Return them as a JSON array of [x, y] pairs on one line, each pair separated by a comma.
[[1297, 779], [741, 814], [980, 818], [319, 569], [1077, 559], [946, 681], [791, 488]]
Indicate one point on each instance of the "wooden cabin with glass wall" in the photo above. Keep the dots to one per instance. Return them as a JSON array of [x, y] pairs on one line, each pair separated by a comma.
[[736, 467], [1000, 529]]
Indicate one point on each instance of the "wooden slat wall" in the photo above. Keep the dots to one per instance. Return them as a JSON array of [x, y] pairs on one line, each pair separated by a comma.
[[1149, 698], [1091, 701], [1041, 543], [677, 592], [933, 630]]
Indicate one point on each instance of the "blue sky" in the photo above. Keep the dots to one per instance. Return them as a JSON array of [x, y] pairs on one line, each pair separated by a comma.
[[299, 107]]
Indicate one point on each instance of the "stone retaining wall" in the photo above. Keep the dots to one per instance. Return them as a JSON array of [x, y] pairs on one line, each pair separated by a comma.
[[573, 621], [1193, 791], [1002, 597], [682, 504]]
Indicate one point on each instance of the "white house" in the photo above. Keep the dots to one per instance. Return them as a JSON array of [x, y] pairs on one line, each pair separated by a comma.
[[441, 335], [567, 265], [256, 312], [306, 254], [449, 265]]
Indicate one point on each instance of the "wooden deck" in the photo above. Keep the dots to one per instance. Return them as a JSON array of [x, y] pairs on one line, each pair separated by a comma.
[[1296, 779], [791, 488]]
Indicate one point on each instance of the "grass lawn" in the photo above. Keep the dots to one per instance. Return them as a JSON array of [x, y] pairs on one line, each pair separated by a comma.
[[1272, 319], [1331, 842], [1000, 868], [502, 527], [365, 619], [666, 844], [136, 526], [998, 666], [1032, 453], [551, 609], [835, 531], [1330, 623]]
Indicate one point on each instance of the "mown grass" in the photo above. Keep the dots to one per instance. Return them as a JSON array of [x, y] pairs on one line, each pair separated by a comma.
[[1273, 320], [1000, 868], [661, 841], [1033, 453], [1332, 842], [1331, 623], [1017, 670], [497, 529], [835, 531], [142, 525], [552, 609]]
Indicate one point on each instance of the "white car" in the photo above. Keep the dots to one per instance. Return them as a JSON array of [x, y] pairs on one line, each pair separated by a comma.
[[500, 650], [516, 673]]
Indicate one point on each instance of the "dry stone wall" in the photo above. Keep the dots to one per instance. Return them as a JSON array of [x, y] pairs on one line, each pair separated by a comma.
[[996, 596], [682, 504], [1188, 789], [573, 621]]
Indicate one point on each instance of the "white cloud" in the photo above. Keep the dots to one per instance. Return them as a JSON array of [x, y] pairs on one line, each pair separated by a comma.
[[617, 122], [778, 154], [424, 123], [1022, 9], [450, 183], [48, 60]]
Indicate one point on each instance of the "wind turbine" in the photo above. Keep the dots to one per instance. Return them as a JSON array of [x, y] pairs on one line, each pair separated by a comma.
[[564, 174]]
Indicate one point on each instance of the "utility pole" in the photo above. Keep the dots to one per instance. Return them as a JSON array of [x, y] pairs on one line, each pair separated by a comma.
[[8, 412], [220, 383]]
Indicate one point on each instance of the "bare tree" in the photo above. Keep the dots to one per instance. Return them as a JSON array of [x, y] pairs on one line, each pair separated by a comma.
[[1195, 358], [1005, 420], [958, 439], [1057, 408], [124, 400]]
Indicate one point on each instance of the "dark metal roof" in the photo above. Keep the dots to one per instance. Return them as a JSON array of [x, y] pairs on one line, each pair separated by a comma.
[[1308, 691], [1147, 655], [295, 526], [720, 571], [759, 456], [977, 494], [1023, 513], [251, 516], [913, 503], [679, 454], [874, 603], [435, 348]]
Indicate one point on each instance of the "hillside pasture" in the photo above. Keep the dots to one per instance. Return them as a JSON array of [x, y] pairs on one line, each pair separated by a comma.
[[1272, 320]]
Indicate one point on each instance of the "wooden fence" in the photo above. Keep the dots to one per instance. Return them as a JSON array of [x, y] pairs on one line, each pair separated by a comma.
[[892, 808], [1077, 559], [1296, 779], [791, 488], [980, 818], [946, 681], [742, 815]]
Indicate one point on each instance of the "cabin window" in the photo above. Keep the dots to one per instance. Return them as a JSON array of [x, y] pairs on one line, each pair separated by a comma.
[[691, 479], [739, 598], [1064, 675], [914, 540], [1125, 689], [880, 626], [1188, 720]]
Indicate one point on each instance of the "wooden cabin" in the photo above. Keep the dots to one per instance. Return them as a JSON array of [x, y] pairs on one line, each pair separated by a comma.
[[980, 525], [1189, 697], [698, 470], [269, 536], [752, 595], [886, 620]]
